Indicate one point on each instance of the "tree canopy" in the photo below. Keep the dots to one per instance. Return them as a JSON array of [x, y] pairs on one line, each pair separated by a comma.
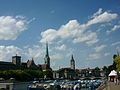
[[116, 62], [24, 75]]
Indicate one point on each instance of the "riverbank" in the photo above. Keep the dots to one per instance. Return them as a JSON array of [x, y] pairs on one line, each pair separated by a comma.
[[109, 86], [14, 85]]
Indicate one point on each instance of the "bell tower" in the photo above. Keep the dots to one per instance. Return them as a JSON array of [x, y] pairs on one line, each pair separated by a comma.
[[16, 60], [72, 63]]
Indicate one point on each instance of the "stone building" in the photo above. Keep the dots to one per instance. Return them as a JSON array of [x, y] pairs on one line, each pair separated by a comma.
[[30, 64], [72, 63], [66, 73], [46, 65]]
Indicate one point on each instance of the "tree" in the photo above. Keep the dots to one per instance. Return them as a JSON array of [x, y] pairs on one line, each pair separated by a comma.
[[116, 62], [97, 72], [48, 74], [105, 69], [21, 75]]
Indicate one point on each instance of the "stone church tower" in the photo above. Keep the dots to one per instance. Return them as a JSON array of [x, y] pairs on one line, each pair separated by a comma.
[[72, 63], [16, 60], [47, 58]]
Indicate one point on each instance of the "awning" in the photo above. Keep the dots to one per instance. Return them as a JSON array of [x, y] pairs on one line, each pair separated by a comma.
[[113, 73]]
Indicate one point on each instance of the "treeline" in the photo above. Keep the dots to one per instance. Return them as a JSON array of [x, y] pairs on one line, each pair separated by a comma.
[[24, 75], [116, 62], [114, 66]]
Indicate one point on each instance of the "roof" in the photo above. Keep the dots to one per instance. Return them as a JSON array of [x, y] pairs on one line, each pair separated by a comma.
[[63, 69], [5, 63], [113, 73]]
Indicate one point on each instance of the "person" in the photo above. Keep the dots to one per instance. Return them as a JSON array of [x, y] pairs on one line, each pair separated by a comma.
[[115, 81], [118, 80]]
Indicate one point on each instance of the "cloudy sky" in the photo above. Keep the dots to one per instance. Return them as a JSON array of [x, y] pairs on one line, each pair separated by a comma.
[[87, 29]]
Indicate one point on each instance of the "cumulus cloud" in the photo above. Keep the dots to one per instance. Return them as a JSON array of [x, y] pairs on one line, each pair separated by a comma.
[[34, 52], [102, 18], [97, 53], [72, 30], [107, 54], [115, 43], [11, 27], [97, 13], [99, 48], [50, 35], [61, 47], [77, 32], [94, 56], [116, 27], [88, 37], [6, 52]]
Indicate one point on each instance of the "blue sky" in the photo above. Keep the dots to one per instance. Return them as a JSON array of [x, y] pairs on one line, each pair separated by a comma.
[[87, 29]]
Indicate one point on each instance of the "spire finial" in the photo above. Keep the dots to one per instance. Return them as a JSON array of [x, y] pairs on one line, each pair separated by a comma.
[[72, 57]]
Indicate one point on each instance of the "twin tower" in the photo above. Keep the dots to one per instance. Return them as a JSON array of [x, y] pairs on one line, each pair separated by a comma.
[[17, 60], [47, 59]]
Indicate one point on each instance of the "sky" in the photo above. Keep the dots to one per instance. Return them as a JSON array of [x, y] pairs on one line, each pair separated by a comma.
[[88, 29]]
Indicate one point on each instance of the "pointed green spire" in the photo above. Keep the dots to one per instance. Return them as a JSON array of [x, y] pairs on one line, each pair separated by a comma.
[[47, 53], [72, 57]]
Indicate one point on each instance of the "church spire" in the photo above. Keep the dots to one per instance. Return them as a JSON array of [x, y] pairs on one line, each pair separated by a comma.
[[47, 58], [72, 57], [47, 53]]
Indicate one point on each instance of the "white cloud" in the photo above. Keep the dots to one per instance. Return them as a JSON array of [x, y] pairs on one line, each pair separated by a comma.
[[56, 57], [11, 27], [88, 37], [97, 13], [6, 52], [49, 35], [116, 27], [99, 48], [72, 31], [94, 56], [102, 18], [115, 43], [107, 54], [61, 47], [37, 52], [77, 32], [97, 53]]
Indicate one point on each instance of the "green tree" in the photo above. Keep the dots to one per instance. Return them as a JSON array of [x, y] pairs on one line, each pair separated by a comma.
[[21, 75], [116, 62], [97, 72], [47, 74], [105, 69]]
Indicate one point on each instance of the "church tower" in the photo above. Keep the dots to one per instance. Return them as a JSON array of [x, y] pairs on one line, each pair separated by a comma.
[[16, 60], [72, 63], [47, 58]]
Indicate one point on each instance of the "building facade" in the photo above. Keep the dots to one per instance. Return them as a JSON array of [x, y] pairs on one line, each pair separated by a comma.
[[30, 64], [66, 73]]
